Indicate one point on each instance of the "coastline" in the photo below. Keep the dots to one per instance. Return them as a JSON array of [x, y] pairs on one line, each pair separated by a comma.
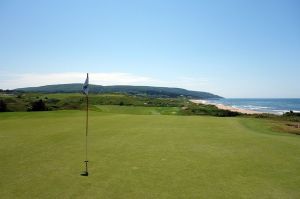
[[224, 107]]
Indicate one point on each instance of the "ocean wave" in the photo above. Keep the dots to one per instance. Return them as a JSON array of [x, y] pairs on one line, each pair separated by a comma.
[[256, 107], [251, 107], [279, 112], [273, 106]]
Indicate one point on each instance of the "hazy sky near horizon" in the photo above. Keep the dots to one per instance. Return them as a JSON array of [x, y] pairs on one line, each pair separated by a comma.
[[231, 48]]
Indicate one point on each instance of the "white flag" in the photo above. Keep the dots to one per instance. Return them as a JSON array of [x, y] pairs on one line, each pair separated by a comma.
[[85, 88]]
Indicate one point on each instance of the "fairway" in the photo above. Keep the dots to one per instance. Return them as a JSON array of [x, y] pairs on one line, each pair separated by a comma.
[[145, 156]]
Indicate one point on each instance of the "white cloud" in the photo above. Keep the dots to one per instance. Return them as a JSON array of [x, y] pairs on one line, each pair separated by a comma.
[[11, 81]]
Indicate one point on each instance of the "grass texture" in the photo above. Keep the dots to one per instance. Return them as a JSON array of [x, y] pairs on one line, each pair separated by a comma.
[[145, 156]]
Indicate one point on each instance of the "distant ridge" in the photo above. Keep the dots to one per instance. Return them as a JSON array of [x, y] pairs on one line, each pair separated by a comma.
[[136, 90]]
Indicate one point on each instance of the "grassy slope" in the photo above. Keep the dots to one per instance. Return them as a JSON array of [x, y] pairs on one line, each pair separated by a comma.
[[145, 156]]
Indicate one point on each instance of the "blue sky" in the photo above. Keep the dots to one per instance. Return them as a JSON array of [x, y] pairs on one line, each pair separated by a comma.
[[231, 48]]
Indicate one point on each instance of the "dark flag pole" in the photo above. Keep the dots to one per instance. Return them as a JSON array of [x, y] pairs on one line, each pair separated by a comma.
[[85, 91]]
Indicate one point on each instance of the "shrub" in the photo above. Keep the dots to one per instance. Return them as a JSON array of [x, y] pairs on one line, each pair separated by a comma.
[[201, 109], [291, 114], [38, 106], [3, 106]]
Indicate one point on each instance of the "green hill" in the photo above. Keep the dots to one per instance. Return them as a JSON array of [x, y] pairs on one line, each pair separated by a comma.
[[136, 90]]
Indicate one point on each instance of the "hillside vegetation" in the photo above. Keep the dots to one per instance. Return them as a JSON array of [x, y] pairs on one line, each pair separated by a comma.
[[16, 102], [133, 90], [76, 101]]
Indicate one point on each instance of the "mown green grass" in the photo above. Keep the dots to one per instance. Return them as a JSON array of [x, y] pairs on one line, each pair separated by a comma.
[[145, 156]]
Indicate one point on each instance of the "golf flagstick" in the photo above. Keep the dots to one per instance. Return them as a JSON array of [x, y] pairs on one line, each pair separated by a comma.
[[85, 90]]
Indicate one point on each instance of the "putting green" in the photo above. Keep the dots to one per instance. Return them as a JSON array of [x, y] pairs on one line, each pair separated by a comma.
[[145, 156]]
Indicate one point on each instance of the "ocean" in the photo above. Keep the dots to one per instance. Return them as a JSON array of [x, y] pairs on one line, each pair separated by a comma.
[[275, 106]]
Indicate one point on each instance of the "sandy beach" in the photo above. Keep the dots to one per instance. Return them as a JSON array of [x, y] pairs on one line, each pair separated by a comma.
[[230, 108]]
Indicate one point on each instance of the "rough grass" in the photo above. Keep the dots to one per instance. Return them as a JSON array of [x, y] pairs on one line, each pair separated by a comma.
[[137, 110], [76, 101], [145, 156]]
